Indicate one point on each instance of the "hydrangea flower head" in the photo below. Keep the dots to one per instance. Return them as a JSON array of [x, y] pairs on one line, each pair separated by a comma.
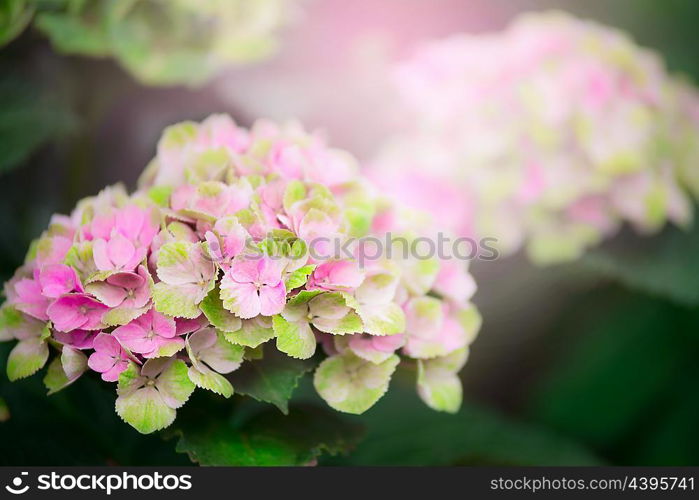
[[222, 255], [548, 135]]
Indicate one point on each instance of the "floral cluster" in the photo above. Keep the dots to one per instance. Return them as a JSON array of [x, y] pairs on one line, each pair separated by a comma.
[[161, 42], [222, 255], [548, 136]]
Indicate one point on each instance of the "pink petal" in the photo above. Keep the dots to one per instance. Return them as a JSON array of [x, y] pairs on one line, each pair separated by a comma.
[[160, 343], [110, 295], [128, 279], [247, 302], [107, 344], [270, 271], [135, 338], [272, 299], [57, 280], [101, 361], [163, 326], [101, 227], [120, 251], [214, 246], [245, 270], [129, 221], [29, 299], [80, 339], [99, 254], [66, 315], [113, 374], [185, 326], [56, 252]]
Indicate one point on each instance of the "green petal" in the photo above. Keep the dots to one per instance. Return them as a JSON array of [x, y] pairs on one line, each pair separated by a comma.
[[160, 195], [122, 316], [295, 191], [222, 319], [352, 385], [253, 333], [174, 384], [299, 277], [470, 320], [130, 380], [65, 370], [15, 324], [176, 301], [208, 165], [438, 382], [27, 357], [295, 339], [350, 323], [145, 410], [382, 319], [169, 348], [220, 355], [208, 379]]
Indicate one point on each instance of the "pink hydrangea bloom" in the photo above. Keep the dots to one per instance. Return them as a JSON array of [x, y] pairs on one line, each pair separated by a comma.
[[109, 357], [254, 286], [150, 335], [76, 311], [179, 283], [548, 135]]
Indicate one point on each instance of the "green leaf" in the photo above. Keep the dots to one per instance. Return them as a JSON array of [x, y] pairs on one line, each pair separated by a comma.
[[222, 319], [268, 439], [271, 379], [14, 17], [627, 350], [27, 358], [665, 265], [294, 338], [76, 32], [351, 384]]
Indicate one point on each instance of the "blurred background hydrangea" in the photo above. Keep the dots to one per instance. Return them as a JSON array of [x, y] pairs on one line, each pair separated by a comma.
[[589, 361]]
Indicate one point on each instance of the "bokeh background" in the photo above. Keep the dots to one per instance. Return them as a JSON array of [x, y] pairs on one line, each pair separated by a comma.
[[588, 362]]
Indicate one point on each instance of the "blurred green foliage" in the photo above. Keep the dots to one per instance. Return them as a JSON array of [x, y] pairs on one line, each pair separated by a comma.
[[401, 431], [29, 117], [625, 379]]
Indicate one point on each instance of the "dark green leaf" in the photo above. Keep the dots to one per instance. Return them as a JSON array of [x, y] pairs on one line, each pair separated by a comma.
[[267, 439], [77, 426], [611, 383], [271, 379], [666, 264]]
